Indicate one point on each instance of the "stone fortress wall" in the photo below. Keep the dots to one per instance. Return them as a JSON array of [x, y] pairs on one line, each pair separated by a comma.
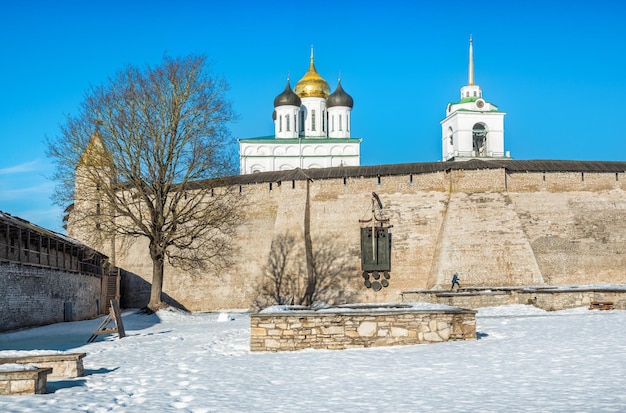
[[508, 223], [34, 296], [46, 277]]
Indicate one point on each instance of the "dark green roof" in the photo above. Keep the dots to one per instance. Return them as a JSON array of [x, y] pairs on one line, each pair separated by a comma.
[[471, 110], [465, 100], [468, 100]]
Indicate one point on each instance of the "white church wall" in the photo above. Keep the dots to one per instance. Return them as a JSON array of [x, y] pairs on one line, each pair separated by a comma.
[[314, 124], [292, 150], [286, 124], [339, 122]]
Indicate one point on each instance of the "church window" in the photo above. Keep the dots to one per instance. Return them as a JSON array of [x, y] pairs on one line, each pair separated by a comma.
[[474, 93], [313, 120], [348, 122], [295, 123], [332, 123], [280, 123], [287, 122], [301, 121], [323, 121], [340, 128]]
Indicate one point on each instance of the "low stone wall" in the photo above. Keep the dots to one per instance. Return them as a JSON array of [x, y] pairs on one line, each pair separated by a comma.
[[547, 298], [68, 365], [360, 326], [24, 381]]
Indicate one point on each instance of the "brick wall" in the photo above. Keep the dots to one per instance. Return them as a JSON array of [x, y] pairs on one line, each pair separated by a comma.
[[32, 296]]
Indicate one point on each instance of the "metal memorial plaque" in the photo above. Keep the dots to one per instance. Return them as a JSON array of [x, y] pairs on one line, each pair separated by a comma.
[[375, 250], [376, 247]]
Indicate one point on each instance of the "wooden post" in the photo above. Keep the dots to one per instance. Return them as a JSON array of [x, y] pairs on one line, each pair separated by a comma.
[[116, 317]]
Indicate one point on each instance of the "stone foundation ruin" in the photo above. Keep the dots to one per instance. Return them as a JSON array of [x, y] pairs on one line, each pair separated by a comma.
[[288, 328]]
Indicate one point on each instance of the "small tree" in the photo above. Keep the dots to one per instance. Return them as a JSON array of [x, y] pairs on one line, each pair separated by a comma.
[[152, 169], [288, 281]]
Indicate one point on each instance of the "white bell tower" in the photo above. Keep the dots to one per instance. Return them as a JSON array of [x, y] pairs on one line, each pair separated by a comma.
[[473, 128]]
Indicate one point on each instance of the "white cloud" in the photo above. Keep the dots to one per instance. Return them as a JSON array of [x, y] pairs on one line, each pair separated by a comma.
[[41, 191], [31, 166]]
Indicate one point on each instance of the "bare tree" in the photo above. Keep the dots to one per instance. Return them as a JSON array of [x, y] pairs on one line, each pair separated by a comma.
[[152, 168], [289, 281]]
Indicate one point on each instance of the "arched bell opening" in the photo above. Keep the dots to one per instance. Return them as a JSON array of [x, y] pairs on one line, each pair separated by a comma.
[[479, 139]]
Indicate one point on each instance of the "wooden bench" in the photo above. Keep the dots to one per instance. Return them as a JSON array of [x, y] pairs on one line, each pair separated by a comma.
[[601, 305], [24, 381], [64, 365]]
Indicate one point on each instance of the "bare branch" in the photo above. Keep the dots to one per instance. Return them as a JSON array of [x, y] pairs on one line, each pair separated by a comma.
[[131, 160]]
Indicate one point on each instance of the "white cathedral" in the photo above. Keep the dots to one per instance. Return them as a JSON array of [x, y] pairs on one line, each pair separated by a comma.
[[311, 130], [473, 128]]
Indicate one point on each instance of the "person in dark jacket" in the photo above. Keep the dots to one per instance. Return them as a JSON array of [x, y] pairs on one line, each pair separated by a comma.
[[455, 281]]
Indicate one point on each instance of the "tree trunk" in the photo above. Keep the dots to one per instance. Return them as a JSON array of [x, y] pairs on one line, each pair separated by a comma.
[[157, 280]]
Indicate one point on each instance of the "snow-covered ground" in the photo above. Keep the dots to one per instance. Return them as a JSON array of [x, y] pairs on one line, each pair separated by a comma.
[[525, 360]]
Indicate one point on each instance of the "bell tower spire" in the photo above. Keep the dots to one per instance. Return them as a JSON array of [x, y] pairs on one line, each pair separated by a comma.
[[470, 72], [473, 127]]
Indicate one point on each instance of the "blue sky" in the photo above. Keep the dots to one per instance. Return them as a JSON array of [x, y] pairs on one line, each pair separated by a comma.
[[557, 69]]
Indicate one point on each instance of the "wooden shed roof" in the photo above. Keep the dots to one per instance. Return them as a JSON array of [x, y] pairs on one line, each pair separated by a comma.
[[19, 223]]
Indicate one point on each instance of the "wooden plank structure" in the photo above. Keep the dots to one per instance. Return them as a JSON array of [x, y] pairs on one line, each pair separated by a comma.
[[110, 287], [116, 317], [24, 243], [601, 305]]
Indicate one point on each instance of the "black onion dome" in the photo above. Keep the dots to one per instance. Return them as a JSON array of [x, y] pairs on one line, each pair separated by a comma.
[[339, 98], [287, 98]]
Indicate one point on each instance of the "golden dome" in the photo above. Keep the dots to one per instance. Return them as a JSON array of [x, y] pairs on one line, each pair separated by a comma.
[[312, 84]]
